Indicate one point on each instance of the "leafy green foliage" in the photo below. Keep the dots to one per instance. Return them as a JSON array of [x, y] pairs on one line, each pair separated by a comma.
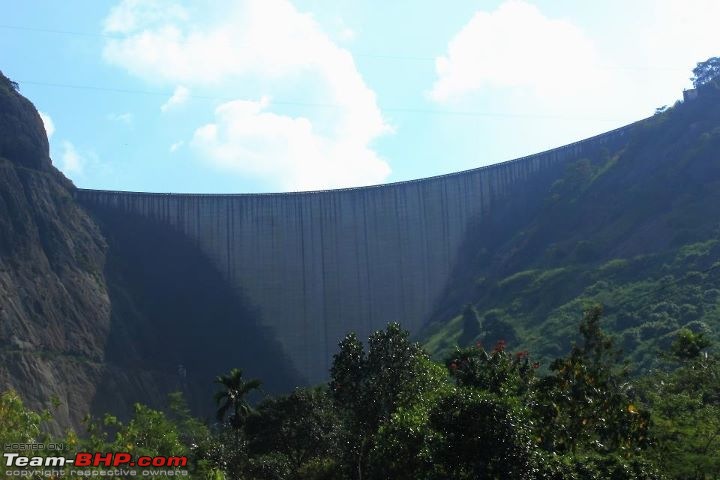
[[149, 432], [479, 435], [300, 429], [224, 453], [19, 424], [401, 447], [596, 467], [154, 432], [689, 345], [232, 397], [369, 388], [685, 406], [586, 403], [647, 300], [705, 72], [497, 372]]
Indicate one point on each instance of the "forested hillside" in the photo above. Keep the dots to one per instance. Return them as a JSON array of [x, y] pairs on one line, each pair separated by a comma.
[[635, 229]]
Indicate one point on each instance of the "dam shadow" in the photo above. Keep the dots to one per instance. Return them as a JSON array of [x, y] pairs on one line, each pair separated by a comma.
[[176, 323]]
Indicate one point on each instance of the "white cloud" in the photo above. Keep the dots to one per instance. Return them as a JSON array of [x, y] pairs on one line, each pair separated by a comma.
[[347, 34], [125, 118], [516, 46], [72, 162], [674, 37], [130, 15], [79, 163], [247, 138], [517, 59], [179, 96], [269, 43], [684, 29], [343, 31], [175, 146], [48, 123]]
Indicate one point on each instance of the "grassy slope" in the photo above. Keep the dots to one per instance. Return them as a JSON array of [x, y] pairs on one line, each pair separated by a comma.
[[635, 229]]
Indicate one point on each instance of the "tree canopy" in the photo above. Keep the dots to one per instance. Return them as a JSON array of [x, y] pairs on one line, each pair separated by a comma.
[[705, 72], [232, 397]]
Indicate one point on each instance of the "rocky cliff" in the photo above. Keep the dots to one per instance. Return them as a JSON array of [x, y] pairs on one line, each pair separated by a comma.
[[54, 305]]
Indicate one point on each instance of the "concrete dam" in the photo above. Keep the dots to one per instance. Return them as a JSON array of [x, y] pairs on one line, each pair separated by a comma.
[[317, 265]]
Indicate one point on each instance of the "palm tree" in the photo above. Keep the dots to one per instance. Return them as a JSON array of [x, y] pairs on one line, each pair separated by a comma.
[[232, 397]]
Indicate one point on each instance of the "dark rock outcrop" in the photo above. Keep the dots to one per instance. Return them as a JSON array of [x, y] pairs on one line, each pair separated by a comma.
[[54, 305], [23, 140]]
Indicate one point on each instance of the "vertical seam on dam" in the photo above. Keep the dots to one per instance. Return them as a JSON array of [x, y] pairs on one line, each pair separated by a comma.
[[322, 280]]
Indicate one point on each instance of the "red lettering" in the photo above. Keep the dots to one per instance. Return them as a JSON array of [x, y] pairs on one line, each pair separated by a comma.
[[122, 458], [83, 459], [106, 459], [177, 462]]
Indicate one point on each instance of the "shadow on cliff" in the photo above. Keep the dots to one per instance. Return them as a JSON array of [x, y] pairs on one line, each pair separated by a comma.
[[176, 323]]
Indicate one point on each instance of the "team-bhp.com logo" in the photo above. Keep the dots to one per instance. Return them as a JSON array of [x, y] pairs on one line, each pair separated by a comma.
[[115, 464]]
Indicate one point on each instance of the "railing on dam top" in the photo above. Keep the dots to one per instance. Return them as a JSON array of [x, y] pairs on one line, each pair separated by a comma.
[[586, 142]]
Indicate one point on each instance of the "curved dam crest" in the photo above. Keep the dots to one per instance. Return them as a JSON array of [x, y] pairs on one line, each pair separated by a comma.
[[320, 264]]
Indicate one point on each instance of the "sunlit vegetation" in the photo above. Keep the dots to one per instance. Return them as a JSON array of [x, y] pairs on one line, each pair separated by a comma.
[[389, 411]]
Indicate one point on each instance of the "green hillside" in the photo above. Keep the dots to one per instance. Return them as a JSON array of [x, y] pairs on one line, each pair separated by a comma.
[[635, 229]]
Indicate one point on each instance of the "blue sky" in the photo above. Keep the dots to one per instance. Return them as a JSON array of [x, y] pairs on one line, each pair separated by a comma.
[[274, 95]]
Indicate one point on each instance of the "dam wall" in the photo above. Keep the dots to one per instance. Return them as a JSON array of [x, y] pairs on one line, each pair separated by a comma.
[[318, 265]]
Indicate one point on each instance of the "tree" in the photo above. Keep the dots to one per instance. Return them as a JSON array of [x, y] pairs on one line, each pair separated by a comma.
[[689, 345], [401, 449], [471, 325], [369, 388], [19, 424], [479, 435], [233, 397], [685, 406], [495, 328], [149, 432], [587, 403], [705, 72], [498, 371], [7, 83], [301, 427]]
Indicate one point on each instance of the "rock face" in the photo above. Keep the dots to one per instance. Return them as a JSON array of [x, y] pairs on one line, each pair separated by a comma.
[[54, 306], [23, 139], [103, 312], [321, 264]]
